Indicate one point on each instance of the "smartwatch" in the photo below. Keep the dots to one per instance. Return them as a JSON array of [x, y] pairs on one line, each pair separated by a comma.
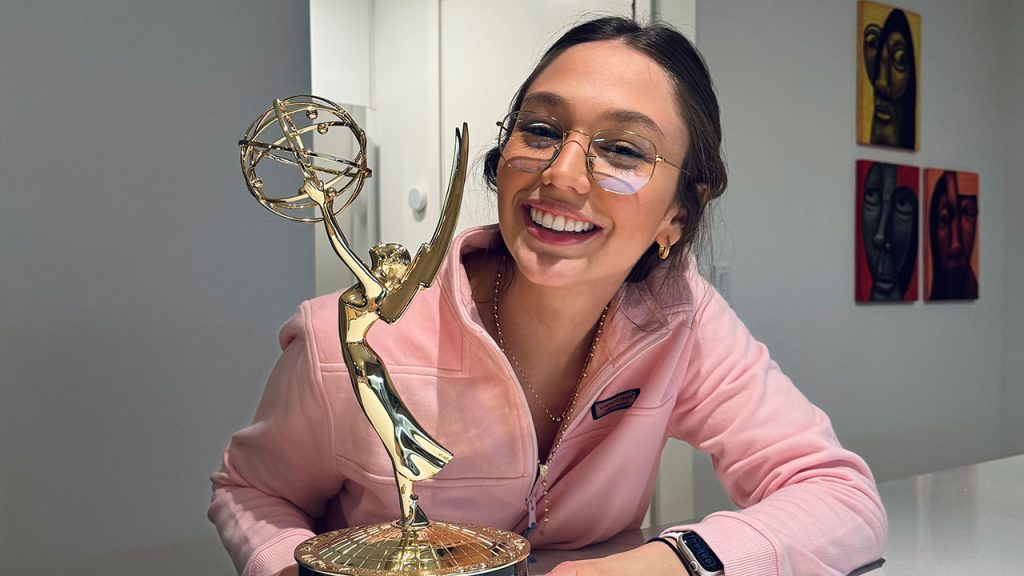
[[697, 557]]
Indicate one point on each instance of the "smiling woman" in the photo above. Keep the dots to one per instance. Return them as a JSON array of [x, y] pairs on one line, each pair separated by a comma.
[[572, 339]]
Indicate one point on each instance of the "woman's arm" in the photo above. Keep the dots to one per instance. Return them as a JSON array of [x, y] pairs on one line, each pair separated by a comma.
[[807, 506], [278, 473]]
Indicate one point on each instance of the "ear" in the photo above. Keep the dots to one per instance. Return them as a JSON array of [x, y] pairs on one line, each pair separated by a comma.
[[673, 226], [705, 194]]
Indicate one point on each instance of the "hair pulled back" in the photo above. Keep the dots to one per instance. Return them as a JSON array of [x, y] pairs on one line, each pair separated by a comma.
[[704, 175]]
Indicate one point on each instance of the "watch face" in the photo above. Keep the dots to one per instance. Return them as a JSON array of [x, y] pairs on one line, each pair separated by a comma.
[[701, 551]]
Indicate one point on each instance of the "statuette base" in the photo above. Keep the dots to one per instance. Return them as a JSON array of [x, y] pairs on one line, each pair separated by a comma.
[[437, 549]]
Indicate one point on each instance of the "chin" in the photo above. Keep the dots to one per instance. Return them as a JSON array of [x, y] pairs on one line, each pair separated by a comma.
[[547, 270]]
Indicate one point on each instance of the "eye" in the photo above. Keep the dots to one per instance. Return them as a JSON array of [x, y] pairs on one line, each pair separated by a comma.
[[871, 33], [904, 201], [539, 134], [621, 149], [945, 217], [871, 195], [900, 58], [621, 155], [969, 207]]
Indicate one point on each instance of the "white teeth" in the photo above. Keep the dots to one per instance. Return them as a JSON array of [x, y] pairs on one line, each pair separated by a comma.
[[558, 223]]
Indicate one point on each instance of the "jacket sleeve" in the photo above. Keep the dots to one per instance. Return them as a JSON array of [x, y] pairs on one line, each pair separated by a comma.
[[807, 506], [278, 473]]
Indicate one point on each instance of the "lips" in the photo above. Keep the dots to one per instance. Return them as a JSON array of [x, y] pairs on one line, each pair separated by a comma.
[[556, 226], [882, 112], [558, 222]]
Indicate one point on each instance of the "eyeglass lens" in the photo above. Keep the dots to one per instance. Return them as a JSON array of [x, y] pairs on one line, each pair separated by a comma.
[[621, 162]]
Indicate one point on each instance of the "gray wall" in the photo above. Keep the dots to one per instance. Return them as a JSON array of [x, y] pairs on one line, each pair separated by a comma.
[[913, 387], [1013, 64], [140, 286]]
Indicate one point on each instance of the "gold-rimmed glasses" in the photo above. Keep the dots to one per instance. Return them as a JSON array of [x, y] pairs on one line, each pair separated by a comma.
[[620, 161]]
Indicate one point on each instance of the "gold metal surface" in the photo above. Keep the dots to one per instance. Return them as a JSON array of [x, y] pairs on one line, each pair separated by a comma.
[[343, 176], [439, 549], [384, 290]]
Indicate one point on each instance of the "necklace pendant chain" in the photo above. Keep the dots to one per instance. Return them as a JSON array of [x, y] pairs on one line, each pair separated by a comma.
[[543, 468]]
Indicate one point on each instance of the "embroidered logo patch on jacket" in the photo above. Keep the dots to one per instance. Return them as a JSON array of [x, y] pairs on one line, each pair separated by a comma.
[[620, 401]]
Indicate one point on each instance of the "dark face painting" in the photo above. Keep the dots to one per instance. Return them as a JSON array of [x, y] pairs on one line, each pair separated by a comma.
[[952, 235], [887, 232], [888, 110]]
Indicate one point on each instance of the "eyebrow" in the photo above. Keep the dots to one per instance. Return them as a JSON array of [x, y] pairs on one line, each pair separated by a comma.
[[620, 116]]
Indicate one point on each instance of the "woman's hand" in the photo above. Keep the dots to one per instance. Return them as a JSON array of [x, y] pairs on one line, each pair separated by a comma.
[[653, 559], [292, 570]]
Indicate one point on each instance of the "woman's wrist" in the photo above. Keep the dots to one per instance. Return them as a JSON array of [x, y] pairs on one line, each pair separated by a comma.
[[697, 558], [669, 545], [663, 553]]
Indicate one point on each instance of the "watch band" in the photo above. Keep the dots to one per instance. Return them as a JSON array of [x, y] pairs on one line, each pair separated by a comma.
[[697, 557], [671, 544]]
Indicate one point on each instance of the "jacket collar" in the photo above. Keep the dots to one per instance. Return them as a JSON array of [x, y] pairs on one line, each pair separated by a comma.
[[654, 306]]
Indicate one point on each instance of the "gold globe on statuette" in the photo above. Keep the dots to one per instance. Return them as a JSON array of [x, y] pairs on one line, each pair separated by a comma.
[[281, 140]]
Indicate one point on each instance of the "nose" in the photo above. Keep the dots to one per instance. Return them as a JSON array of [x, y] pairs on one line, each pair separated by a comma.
[[569, 167], [881, 237], [882, 78], [955, 245]]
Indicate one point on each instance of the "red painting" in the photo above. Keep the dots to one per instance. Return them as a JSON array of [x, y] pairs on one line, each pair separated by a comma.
[[887, 232]]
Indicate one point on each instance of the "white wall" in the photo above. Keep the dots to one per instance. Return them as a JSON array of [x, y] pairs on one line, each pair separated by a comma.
[[1012, 61], [141, 287], [911, 387]]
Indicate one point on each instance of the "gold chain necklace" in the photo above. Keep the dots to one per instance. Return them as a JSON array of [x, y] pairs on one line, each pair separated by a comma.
[[563, 418]]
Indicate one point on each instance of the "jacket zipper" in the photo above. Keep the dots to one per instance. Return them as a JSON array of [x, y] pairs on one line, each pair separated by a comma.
[[530, 500], [602, 380]]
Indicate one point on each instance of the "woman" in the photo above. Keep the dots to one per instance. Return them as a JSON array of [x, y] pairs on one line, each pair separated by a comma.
[[564, 348]]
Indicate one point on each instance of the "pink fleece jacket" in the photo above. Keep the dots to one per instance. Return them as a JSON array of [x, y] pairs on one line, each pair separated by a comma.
[[674, 361]]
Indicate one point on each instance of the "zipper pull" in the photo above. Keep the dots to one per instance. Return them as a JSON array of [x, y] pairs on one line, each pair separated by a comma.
[[531, 506]]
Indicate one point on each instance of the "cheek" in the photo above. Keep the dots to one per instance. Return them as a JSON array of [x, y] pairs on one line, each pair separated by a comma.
[[967, 229], [871, 212], [899, 83], [510, 182], [902, 232]]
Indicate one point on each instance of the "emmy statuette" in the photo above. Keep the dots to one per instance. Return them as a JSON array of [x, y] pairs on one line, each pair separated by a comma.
[[412, 545]]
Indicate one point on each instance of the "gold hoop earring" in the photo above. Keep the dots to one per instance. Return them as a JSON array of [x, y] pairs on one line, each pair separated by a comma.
[[663, 250]]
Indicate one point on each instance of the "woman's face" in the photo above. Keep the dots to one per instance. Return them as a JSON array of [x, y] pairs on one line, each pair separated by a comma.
[[590, 87]]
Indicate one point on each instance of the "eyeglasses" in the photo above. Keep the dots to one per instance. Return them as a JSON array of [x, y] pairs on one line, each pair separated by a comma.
[[620, 161]]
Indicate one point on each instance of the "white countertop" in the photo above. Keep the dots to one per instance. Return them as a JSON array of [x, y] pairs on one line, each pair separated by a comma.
[[964, 521]]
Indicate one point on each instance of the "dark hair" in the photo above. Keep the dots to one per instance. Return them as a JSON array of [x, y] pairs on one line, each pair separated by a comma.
[[897, 21], [704, 175]]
